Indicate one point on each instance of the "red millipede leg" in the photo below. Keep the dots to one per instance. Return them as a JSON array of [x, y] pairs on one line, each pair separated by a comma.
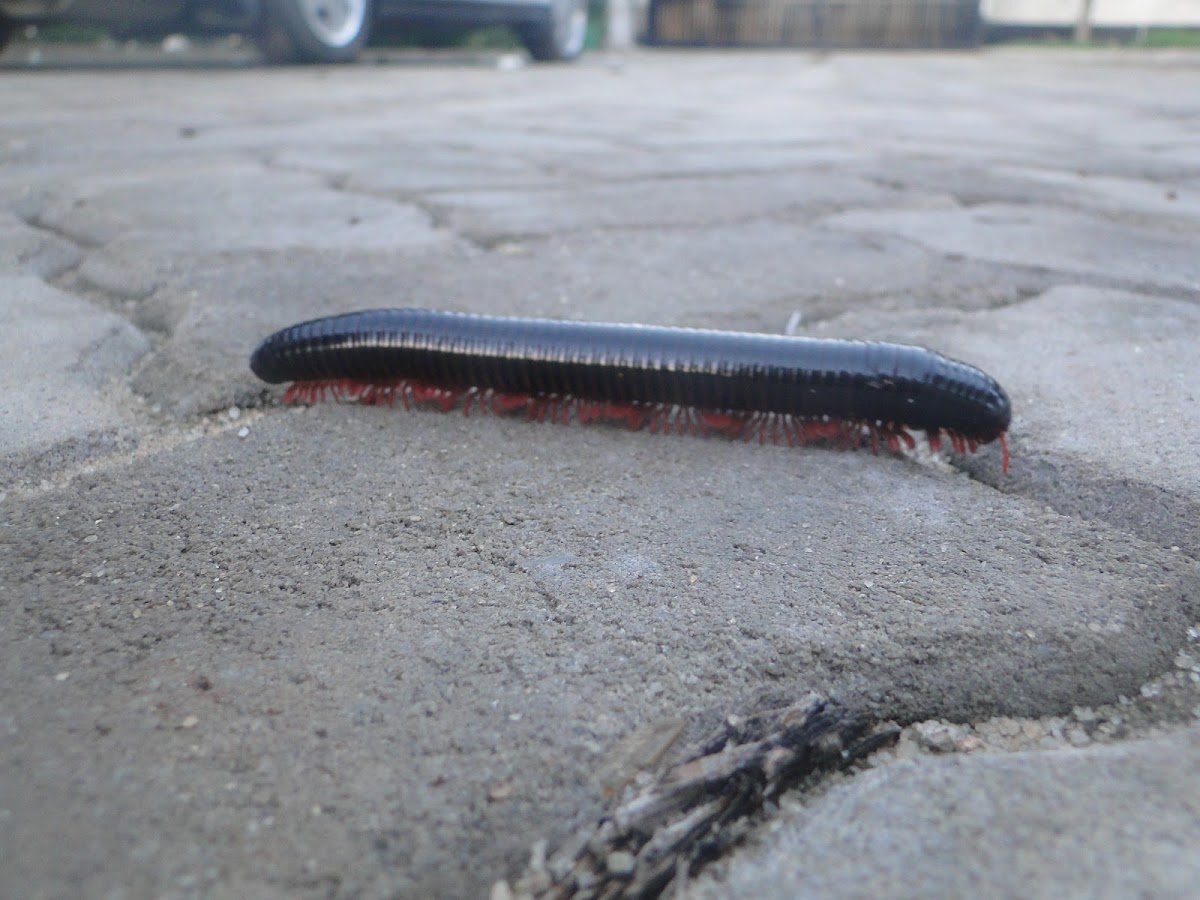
[[661, 423], [560, 410], [800, 426], [566, 407], [637, 416], [683, 421], [789, 430], [633, 416], [587, 411], [747, 430], [442, 398], [507, 403], [759, 426], [726, 423]]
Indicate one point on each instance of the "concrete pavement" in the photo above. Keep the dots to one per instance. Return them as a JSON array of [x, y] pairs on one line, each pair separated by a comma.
[[343, 651]]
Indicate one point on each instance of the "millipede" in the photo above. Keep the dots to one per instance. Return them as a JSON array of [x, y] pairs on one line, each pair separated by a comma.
[[793, 390]]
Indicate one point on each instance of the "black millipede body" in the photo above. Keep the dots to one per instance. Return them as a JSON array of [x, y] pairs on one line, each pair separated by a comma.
[[737, 380]]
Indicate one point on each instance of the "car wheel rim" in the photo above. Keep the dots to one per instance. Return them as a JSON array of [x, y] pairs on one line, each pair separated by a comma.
[[335, 23]]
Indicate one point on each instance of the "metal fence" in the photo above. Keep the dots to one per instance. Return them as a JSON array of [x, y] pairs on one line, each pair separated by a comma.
[[814, 23]]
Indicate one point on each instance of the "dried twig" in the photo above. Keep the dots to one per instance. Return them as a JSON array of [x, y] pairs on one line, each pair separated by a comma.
[[702, 806]]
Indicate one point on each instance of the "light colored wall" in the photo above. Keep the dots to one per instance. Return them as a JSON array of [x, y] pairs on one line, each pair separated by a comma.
[[1104, 12]]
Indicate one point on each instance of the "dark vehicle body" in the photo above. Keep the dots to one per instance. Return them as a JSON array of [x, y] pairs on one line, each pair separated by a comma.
[[327, 31]]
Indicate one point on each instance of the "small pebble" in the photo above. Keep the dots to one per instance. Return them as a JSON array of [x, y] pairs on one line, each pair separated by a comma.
[[970, 744], [939, 737], [1008, 727], [621, 864], [500, 791], [1084, 715], [190, 722]]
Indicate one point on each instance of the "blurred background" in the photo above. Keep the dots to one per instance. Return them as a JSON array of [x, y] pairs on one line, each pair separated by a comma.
[[46, 32]]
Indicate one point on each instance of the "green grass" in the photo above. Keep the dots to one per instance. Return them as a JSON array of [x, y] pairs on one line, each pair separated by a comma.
[[1125, 37], [596, 25], [70, 33], [1170, 37]]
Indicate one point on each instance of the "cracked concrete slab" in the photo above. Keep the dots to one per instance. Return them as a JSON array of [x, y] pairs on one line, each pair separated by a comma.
[[138, 214], [1119, 197], [1059, 240], [1103, 386], [492, 215], [363, 652], [1108, 434], [401, 171], [1103, 822], [60, 354], [1164, 203], [29, 251], [602, 577]]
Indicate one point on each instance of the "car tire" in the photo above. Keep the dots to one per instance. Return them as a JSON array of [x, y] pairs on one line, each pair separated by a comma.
[[314, 31], [561, 35]]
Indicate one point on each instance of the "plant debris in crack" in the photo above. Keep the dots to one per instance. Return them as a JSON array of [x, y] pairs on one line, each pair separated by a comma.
[[694, 812]]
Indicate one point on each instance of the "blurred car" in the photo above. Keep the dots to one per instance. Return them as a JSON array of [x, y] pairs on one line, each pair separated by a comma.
[[323, 31]]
